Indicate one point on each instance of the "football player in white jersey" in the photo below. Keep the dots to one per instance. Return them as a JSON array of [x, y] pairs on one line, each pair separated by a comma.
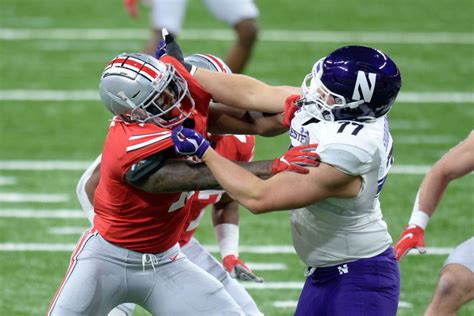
[[456, 281], [241, 15], [336, 221]]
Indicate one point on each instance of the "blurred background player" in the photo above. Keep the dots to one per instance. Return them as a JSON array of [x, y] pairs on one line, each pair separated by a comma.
[[336, 220], [456, 282], [241, 15]]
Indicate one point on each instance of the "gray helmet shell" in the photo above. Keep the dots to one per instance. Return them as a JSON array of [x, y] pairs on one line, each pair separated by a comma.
[[209, 62], [131, 85]]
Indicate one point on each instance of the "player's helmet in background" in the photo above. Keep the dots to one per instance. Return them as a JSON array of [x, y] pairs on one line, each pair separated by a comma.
[[140, 88], [212, 63], [209, 62], [364, 83]]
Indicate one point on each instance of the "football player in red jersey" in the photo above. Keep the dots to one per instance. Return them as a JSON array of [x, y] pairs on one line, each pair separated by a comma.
[[131, 254], [225, 217]]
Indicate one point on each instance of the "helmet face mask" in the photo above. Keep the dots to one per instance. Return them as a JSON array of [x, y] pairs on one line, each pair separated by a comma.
[[352, 83], [318, 99], [140, 88]]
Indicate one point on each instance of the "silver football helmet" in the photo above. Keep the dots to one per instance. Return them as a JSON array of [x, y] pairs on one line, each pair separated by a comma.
[[209, 62], [140, 88]]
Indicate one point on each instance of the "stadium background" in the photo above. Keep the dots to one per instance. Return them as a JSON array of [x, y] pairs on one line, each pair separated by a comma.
[[51, 56]]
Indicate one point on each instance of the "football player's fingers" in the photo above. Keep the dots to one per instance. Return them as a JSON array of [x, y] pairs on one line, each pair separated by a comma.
[[421, 249], [297, 169], [301, 155], [309, 147], [307, 162], [246, 275], [307, 155], [400, 253], [164, 32]]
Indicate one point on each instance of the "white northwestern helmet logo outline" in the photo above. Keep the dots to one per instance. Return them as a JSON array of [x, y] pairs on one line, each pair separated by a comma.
[[362, 85]]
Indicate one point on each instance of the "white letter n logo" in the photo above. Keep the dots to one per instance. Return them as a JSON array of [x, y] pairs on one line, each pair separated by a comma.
[[362, 86]]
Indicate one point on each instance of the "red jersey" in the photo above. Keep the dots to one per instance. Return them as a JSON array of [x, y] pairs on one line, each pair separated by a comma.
[[233, 147], [129, 217]]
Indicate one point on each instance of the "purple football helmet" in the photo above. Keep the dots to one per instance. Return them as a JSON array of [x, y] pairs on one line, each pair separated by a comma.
[[351, 83]]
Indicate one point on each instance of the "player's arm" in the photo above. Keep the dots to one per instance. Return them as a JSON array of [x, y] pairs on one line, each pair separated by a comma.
[[280, 192], [228, 120], [225, 217], [456, 163], [176, 175], [86, 186], [161, 174], [234, 90], [283, 191], [242, 91]]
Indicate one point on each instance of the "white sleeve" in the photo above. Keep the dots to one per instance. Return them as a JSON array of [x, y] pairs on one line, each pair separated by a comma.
[[86, 204], [349, 159]]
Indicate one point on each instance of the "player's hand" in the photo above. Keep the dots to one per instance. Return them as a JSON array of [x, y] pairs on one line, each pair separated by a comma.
[[290, 108], [188, 142], [160, 49], [173, 49], [239, 270], [412, 237], [296, 159], [131, 7]]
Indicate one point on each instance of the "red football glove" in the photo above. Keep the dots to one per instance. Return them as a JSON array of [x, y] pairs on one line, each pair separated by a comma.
[[131, 7], [290, 109], [412, 237], [296, 158], [239, 270]]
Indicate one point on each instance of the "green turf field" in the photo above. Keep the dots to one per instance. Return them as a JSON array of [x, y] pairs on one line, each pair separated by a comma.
[[55, 46]]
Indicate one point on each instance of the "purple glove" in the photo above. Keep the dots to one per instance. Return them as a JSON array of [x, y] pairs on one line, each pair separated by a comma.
[[188, 142], [160, 49]]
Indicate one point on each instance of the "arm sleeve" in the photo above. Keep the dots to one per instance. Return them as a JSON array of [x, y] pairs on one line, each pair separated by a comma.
[[141, 170], [348, 159], [82, 197]]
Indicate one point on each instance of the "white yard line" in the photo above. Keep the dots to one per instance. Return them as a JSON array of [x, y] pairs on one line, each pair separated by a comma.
[[425, 139], [70, 165], [7, 180], [34, 213], [14, 197], [292, 304], [47, 165], [67, 230], [271, 249], [265, 266], [292, 285], [410, 169], [454, 97], [300, 36]]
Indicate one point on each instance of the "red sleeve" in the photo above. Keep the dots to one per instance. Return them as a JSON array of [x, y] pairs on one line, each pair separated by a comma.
[[127, 144], [236, 147]]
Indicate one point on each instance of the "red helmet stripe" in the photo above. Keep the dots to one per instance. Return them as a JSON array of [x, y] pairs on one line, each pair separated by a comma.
[[217, 62], [149, 70]]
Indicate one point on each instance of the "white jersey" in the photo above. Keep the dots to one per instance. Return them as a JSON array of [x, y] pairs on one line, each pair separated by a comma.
[[340, 230]]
